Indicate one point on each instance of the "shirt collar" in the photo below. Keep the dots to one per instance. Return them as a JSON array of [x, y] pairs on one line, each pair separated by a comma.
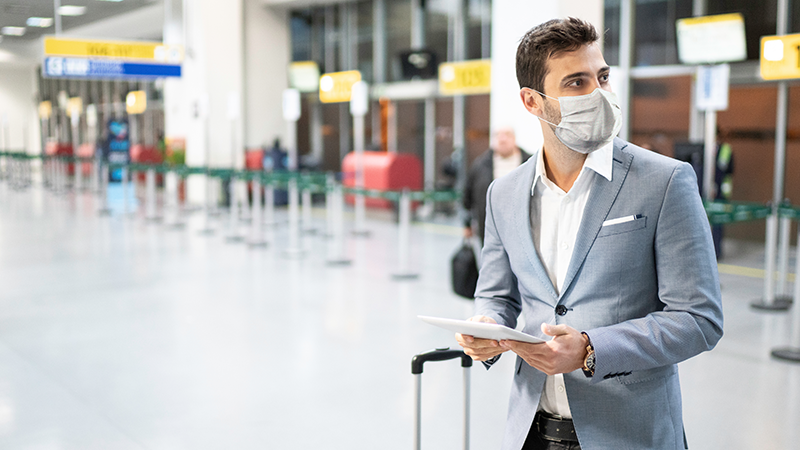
[[601, 161]]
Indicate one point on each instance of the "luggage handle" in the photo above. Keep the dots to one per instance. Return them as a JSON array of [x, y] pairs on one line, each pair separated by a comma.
[[439, 354]]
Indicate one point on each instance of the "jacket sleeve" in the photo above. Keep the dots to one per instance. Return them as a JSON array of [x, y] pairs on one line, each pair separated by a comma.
[[688, 287], [496, 295]]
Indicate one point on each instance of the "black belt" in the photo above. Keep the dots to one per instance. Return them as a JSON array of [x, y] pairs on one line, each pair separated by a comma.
[[554, 429]]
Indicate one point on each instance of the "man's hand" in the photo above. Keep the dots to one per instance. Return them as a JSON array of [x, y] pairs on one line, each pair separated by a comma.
[[468, 232], [480, 349], [562, 354]]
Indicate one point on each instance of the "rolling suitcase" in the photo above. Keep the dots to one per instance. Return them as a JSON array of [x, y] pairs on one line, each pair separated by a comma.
[[440, 354]]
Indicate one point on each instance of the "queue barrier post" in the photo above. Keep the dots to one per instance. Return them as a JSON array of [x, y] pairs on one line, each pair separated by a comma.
[[207, 229], [792, 353], [307, 228], [105, 209], [256, 239], [151, 202], [403, 241], [336, 250], [233, 212], [172, 201], [294, 250]]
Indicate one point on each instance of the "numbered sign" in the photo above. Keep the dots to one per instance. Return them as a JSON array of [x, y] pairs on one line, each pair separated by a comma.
[[780, 57], [466, 77], [335, 87]]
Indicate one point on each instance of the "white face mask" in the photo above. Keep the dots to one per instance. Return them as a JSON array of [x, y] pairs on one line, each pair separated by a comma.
[[588, 122]]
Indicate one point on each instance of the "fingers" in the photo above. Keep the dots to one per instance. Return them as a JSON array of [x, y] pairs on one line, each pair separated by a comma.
[[556, 330]]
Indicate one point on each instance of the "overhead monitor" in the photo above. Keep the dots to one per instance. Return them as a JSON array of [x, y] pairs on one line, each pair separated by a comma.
[[419, 64], [711, 39]]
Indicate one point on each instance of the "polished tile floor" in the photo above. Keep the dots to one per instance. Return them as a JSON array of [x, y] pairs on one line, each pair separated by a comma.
[[116, 333]]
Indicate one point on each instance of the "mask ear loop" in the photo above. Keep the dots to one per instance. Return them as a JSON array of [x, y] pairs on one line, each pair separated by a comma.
[[545, 95]]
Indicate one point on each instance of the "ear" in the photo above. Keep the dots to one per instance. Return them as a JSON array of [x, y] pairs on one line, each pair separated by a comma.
[[532, 101]]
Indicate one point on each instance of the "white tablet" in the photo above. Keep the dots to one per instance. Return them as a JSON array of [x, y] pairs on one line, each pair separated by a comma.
[[482, 330]]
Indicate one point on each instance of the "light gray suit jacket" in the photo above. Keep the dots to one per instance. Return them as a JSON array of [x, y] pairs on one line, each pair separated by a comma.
[[646, 292]]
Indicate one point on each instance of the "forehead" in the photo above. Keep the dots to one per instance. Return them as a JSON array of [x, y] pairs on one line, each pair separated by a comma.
[[588, 58]]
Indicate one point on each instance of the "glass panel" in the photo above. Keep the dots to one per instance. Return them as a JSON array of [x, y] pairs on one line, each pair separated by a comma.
[[660, 113], [474, 29], [300, 28], [611, 36], [655, 42], [398, 35], [437, 21], [364, 39]]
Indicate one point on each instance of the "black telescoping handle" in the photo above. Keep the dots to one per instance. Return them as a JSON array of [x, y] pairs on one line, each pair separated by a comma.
[[439, 354]]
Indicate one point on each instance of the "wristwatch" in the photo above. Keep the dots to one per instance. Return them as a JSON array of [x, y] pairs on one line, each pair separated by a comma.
[[588, 362]]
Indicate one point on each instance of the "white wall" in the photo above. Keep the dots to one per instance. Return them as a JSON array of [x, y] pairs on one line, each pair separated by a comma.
[[511, 19], [19, 123], [267, 56]]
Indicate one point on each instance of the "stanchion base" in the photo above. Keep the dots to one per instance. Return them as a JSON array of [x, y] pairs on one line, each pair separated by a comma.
[[779, 304], [104, 212], [257, 244], [361, 233], [309, 231], [154, 219], [405, 276], [214, 213], [234, 238], [338, 262], [294, 253], [176, 226], [787, 354], [206, 231]]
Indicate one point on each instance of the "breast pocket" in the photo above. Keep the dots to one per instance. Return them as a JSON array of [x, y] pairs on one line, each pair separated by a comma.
[[624, 227]]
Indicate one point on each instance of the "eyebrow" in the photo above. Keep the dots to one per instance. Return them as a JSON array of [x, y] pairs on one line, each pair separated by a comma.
[[575, 75]]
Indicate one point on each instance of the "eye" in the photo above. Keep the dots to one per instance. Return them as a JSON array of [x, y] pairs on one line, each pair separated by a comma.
[[576, 82], [604, 78]]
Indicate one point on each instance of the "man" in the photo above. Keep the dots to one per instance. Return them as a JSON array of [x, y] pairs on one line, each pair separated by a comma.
[[606, 248], [503, 157]]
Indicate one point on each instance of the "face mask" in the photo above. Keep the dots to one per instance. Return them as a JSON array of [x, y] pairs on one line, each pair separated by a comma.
[[588, 122]]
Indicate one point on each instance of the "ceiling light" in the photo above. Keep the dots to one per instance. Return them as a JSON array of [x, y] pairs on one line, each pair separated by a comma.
[[41, 22], [13, 31], [115, 1], [71, 10]]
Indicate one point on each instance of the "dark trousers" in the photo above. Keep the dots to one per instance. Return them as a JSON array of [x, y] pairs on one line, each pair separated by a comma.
[[534, 442]]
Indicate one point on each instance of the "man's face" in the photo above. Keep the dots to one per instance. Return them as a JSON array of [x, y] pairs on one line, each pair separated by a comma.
[[579, 72]]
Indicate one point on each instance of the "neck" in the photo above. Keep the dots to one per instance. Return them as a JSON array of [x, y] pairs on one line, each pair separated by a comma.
[[563, 165]]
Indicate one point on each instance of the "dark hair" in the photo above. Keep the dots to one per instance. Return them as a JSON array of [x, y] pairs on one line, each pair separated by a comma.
[[545, 41]]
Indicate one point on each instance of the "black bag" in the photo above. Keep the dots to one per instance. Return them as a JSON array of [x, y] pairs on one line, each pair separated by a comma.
[[464, 268]]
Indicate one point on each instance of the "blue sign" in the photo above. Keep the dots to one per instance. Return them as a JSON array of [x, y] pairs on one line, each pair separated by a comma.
[[117, 146], [58, 67]]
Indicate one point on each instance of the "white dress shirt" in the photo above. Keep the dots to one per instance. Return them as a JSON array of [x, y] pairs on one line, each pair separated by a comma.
[[502, 166], [555, 218]]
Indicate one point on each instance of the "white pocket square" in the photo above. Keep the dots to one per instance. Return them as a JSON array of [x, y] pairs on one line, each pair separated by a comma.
[[622, 220]]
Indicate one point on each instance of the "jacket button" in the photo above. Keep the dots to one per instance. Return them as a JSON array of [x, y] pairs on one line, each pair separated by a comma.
[[561, 310]]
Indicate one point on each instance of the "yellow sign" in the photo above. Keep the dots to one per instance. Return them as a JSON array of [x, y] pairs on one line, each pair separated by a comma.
[[780, 57], [74, 106], [466, 77], [152, 51], [336, 87], [136, 102], [45, 109]]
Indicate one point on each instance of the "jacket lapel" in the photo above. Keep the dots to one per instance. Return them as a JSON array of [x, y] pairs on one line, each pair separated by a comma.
[[601, 198], [522, 223]]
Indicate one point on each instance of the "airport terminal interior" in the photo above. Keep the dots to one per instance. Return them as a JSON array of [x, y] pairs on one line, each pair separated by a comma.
[[220, 220]]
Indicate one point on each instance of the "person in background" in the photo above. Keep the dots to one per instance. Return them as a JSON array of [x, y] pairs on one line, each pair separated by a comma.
[[501, 158], [723, 184]]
